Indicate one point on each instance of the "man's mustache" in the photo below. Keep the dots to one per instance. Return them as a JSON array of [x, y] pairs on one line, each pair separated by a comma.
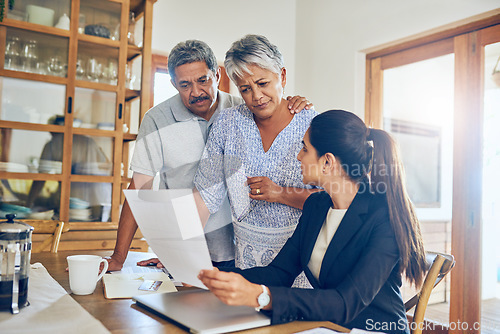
[[198, 99]]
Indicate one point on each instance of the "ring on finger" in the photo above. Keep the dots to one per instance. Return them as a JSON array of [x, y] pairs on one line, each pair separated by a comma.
[[257, 191]]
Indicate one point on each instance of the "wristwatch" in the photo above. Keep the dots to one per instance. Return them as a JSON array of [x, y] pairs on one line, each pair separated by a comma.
[[264, 299]]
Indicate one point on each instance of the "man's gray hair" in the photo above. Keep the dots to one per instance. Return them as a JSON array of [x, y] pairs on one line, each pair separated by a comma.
[[252, 50], [191, 51]]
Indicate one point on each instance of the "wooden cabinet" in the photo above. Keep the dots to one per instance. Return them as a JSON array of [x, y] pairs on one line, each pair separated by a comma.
[[71, 84]]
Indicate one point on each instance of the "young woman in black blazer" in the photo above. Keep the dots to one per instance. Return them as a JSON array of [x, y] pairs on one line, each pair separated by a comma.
[[354, 240]]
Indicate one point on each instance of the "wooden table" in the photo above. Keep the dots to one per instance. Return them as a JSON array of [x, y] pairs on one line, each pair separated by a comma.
[[123, 316]]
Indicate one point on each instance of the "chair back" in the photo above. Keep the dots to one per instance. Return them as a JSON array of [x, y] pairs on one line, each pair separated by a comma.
[[53, 229], [440, 264]]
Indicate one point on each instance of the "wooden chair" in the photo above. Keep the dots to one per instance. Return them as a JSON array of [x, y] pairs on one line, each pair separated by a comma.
[[439, 264], [52, 228]]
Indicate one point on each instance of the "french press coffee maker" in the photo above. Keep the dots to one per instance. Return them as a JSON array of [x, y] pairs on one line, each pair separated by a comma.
[[15, 254]]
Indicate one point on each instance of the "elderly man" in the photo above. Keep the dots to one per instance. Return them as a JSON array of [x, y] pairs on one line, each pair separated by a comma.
[[171, 140]]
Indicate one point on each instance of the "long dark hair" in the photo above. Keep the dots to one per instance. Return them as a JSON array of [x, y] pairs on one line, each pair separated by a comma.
[[371, 155]]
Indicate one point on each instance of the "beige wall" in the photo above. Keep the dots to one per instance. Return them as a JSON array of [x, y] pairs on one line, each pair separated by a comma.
[[321, 40], [221, 22]]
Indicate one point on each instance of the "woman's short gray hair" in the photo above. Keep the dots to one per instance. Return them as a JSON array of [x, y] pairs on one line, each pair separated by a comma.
[[191, 51], [252, 50]]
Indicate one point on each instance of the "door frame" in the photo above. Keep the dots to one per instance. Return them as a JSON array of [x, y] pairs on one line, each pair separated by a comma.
[[466, 39]]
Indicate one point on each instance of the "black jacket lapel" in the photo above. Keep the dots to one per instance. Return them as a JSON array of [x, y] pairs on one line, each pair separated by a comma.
[[316, 220]]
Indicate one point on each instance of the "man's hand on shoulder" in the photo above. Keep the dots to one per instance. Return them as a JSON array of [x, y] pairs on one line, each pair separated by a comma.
[[297, 103]]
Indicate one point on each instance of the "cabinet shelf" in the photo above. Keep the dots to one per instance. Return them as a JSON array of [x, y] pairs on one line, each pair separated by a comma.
[[133, 51], [129, 137], [94, 132], [96, 85], [131, 94], [31, 126], [33, 76], [98, 40], [91, 178], [31, 176], [35, 27]]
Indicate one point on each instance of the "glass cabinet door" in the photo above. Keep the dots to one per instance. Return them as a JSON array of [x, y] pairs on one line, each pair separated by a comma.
[[31, 101], [92, 155], [97, 63], [33, 52], [42, 153], [33, 199], [100, 18], [90, 201], [94, 109]]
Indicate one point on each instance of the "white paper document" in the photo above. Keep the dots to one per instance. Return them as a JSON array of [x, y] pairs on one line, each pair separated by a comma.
[[169, 221], [127, 285]]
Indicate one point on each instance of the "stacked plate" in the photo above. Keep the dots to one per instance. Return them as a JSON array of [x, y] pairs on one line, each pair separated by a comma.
[[13, 167], [18, 210], [79, 209], [43, 215], [50, 166]]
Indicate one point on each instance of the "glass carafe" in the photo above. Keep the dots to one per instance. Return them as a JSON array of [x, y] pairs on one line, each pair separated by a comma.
[[15, 256]]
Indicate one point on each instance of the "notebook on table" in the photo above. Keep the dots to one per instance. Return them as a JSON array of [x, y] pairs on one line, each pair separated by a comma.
[[201, 312]]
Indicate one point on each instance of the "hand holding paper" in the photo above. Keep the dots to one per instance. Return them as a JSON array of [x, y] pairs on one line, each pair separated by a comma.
[[169, 221]]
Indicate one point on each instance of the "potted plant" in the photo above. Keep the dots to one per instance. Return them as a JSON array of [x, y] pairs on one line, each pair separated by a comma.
[[2, 7]]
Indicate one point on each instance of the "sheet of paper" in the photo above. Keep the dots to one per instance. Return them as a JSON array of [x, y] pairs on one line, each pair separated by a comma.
[[137, 270], [187, 216], [127, 285], [159, 214]]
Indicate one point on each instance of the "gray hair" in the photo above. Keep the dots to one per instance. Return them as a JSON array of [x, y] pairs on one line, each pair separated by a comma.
[[191, 51], [252, 50]]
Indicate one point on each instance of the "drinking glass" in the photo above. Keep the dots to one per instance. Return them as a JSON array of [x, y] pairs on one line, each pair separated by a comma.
[[80, 70], [12, 53], [29, 56], [94, 69], [56, 66], [112, 72]]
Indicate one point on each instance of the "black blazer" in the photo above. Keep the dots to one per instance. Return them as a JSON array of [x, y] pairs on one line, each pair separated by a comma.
[[359, 282]]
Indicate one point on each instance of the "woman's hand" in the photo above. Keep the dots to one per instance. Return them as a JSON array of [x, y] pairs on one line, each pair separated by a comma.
[[151, 262], [297, 103], [231, 288], [263, 189]]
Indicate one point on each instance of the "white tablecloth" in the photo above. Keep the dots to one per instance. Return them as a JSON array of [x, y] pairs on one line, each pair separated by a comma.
[[51, 310]]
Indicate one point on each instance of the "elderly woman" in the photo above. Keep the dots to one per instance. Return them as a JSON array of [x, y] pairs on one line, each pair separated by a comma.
[[354, 240], [251, 155]]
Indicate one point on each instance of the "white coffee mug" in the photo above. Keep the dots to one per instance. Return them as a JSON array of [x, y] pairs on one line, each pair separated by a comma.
[[84, 273]]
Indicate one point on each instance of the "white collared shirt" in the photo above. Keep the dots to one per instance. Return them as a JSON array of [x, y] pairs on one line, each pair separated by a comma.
[[330, 226]]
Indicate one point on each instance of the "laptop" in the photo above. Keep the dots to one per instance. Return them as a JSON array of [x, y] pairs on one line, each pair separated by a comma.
[[200, 311]]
